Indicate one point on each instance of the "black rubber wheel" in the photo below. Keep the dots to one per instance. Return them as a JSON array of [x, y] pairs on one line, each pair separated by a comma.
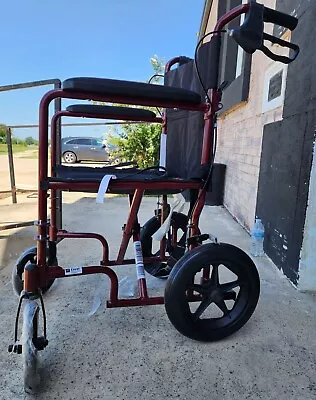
[[175, 251], [70, 157], [28, 257], [211, 309], [29, 351]]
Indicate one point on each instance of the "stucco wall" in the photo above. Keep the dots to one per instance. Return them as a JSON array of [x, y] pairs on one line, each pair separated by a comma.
[[239, 138]]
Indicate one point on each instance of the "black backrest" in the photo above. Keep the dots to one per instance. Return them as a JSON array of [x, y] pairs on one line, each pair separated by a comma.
[[185, 128]]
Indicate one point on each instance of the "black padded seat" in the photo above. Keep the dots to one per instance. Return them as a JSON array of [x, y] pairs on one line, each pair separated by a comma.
[[95, 174], [127, 89], [124, 112], [69, 174]]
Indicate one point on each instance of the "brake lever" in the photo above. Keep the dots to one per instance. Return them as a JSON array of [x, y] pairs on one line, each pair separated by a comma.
[[283, 43]]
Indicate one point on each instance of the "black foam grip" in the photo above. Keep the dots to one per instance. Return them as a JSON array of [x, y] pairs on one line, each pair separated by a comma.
[[279, 18]]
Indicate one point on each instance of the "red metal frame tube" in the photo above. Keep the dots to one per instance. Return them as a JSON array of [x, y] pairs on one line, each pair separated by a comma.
[[85, 235], [172, 62], [207, 140], [54, 122], [65, 113], [59, 272], [141, 282], [131, 219], [60, 93], [197, 212], [142, 288], [123, 185], [229, 16], [149, 301], [163, 241], [34, 280], [130, 261], [54, 272]]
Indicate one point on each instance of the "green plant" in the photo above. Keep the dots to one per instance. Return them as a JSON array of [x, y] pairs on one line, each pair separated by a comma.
[[139, 143], [3, 133], [30, 141]]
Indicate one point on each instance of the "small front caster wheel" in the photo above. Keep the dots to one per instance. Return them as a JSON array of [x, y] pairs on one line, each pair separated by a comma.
[[29, 350], [28, 257]]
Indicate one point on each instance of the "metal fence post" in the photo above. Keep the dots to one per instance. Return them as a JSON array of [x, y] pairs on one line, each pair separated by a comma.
[[11, 166]]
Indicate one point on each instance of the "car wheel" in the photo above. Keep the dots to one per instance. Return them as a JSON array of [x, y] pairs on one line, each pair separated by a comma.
[[69, 157]]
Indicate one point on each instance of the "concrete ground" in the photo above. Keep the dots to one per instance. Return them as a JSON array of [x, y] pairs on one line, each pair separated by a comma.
[[99, 353], [25, 169]]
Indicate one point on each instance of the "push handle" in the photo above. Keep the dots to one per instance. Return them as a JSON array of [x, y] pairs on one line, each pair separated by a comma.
[[251, 36], [279, 18], [283, 43]]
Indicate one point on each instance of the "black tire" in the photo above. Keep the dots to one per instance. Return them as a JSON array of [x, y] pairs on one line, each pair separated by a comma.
[[182, 293], [28, 257], [70, 157], [162, 270], [31, 376]]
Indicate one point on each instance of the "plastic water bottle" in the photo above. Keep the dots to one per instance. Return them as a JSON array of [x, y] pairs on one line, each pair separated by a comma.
[[257, 238]]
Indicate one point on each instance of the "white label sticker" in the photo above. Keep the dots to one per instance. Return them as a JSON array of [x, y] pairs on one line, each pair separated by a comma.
[[104, 187], [163, 149], [177, 205], [73, 271], [139, 260]]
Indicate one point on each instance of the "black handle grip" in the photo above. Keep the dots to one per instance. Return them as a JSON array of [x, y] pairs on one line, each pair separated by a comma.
[[283, 43], [279, 18]]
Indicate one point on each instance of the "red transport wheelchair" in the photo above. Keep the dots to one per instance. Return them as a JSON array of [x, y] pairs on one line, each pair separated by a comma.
[[192, 267]]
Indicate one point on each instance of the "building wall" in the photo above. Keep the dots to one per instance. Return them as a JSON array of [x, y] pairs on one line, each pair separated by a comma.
[[240, 135], [286, 189], [239, 143], [212, 19], [268, 147]]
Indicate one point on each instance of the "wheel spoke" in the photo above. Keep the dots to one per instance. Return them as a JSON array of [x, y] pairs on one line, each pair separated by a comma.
[[222, 306], [229, 286], [201, 308], [196, 288], [214, 280], [230, 295]]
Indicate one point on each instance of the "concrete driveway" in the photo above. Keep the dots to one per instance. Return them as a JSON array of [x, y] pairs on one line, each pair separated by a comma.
[[25, 168], [135, 353]]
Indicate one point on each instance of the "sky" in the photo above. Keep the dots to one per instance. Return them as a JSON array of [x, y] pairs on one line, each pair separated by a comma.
[[44, 39]]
